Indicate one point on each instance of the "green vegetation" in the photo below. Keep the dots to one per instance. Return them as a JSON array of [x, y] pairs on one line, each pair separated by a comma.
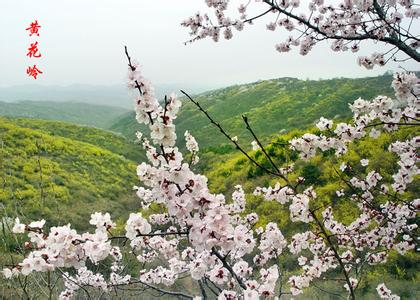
[[98, 137], [78, 113], [63, 179], [273, 106]]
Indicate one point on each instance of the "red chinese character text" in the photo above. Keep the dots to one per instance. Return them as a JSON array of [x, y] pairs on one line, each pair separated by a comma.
[[33, 71], [33, 28], [33, 50]]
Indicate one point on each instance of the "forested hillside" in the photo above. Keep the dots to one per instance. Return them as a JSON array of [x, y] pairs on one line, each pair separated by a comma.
[[272, 106]]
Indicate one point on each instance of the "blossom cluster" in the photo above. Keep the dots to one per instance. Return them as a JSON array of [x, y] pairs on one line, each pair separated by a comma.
[[385, 293], [346, 23], [369, 115]]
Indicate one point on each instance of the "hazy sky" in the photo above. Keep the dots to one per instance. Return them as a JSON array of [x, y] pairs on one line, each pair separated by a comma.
[[81, 41]]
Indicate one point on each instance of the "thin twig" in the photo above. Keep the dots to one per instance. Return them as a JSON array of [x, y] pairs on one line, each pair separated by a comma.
[[263, 149], [229, 138]]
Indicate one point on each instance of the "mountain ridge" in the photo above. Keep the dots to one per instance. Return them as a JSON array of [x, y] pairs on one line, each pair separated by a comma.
[[272, 106], [100, 116], [110, 95]]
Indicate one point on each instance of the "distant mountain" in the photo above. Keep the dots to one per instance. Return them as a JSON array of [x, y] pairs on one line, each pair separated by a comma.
[[63, 172], [114, 95], [272, 107], [109, 95], [78, 113]]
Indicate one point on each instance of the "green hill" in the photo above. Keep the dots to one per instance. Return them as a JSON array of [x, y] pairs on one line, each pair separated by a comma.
[[63, 172], [272, 106], [78, 113], [98, 137]]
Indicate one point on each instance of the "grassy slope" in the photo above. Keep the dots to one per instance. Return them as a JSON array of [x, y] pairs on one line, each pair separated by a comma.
[[272, 106], [78, 113], [77, 178], [98, 137]]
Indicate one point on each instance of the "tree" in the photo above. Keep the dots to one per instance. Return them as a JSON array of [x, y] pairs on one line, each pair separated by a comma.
[[347, 24], [209, 237]]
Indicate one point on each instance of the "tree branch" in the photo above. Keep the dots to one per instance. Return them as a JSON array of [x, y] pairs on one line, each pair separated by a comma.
[[229, 138], [229, 268]]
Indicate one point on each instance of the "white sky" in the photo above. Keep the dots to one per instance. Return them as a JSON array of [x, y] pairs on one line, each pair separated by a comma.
[[81, 41]]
